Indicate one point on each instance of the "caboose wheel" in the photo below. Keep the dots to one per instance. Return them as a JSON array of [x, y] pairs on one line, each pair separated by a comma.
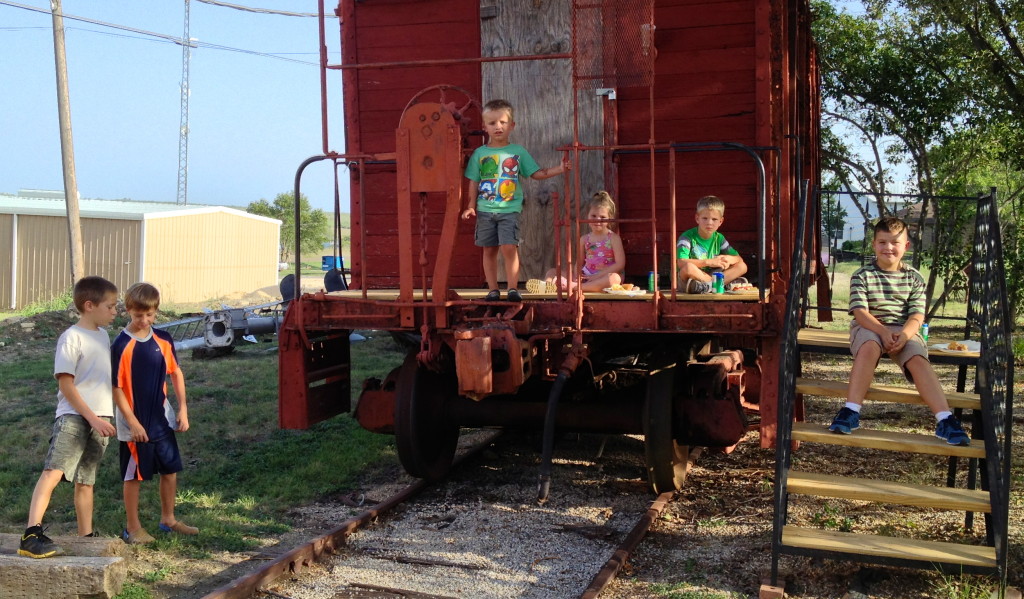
[[666, 459], [426, 440]]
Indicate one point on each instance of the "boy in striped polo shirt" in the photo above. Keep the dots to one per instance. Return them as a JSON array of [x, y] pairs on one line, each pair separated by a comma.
[[887, 301]]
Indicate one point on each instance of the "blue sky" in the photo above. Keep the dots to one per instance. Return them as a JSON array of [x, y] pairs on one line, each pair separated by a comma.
[[253, 119]]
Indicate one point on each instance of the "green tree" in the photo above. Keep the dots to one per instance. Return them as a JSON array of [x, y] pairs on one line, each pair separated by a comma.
[[313, 223], [962, 84]]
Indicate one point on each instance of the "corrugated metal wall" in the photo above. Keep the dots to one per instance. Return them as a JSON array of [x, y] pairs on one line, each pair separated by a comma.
[[6, 271], [194, 258], [111, 249]]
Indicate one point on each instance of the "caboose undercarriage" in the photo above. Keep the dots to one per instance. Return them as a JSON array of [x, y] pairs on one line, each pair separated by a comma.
[[509, 364]]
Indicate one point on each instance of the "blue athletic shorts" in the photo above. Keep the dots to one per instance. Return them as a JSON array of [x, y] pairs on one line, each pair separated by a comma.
[[496, 228], [75, 449], [140, 461]]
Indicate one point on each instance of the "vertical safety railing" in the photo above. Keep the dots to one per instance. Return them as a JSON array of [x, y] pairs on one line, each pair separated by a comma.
[[989, 309], [787, 378]]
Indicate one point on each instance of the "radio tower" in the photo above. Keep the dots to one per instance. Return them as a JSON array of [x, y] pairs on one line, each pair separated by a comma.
[[186, 54]]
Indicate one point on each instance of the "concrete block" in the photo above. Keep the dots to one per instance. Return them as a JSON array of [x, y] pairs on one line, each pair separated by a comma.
[[1011, 593], [771, 592], [61, 577], [96, 570]]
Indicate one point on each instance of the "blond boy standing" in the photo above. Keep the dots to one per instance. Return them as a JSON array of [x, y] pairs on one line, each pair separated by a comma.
[[496, 196]]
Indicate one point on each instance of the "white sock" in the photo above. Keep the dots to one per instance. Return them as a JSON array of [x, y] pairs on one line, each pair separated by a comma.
[[853, 406], [943, 415]]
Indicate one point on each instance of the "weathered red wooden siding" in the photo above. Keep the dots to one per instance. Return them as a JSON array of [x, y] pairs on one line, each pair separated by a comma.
[[705, 91], [401, 31], [725, 72]]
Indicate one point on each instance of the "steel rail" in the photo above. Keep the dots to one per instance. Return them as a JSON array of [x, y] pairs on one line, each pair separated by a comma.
[[293, 561], [611, 568]]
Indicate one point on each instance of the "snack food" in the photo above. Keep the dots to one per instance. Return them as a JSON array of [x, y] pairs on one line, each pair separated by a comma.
[[617, 287], [626, 286], [956, 346]]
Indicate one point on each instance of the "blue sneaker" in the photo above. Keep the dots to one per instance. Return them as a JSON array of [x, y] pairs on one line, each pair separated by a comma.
[[845, 422], [951, 431]]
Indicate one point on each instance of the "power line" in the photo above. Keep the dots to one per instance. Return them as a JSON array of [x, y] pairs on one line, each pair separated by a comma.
[[264, 11], [163, 36]]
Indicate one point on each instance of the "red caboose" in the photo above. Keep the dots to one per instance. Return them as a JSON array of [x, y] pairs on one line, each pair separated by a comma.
[[657, 102]]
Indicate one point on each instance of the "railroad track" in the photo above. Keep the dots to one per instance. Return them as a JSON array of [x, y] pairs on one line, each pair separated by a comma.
[[480, 533]]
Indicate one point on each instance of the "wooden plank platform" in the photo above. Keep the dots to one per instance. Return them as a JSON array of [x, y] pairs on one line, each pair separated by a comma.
[[907, 395], [838, 342], [845, 487], [390, 295], [889, 547], [816, 432]]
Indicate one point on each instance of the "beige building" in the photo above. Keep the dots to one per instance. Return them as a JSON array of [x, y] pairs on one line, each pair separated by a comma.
[[191, 253]]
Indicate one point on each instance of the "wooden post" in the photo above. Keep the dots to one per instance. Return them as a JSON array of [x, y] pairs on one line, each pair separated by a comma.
[[67, 148], [541, 93]]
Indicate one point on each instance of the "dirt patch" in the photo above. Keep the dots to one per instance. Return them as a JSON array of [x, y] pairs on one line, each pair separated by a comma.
[[32, 337]]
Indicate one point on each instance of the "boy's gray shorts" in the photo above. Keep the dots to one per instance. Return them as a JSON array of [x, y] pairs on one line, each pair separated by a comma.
[[75, 449], [915, 345], [497, 228]]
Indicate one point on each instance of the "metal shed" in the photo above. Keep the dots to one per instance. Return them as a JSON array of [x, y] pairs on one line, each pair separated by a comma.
[[190, 252]]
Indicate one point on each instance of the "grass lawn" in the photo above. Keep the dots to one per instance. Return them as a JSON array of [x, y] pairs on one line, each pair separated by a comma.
[[242, 473]]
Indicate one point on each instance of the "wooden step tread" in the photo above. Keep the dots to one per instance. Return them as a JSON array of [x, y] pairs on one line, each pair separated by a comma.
[[910, 549], [817, 432], [907, 395], [811, 340], [845, 487]]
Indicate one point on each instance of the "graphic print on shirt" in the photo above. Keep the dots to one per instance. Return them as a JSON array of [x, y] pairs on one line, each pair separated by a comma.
[[498, 185]]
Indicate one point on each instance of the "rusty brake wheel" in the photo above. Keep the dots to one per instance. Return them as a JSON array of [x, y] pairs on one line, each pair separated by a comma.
[[665, 459], [426, 440]]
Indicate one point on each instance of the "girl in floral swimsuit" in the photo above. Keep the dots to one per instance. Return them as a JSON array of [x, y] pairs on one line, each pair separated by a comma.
[[604, 259]]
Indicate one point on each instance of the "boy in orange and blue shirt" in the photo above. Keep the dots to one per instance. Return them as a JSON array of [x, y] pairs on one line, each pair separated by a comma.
[[142, 358]]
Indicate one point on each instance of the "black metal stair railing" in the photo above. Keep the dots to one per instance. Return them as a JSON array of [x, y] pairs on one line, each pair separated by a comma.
[[787, 379], [989, 311]]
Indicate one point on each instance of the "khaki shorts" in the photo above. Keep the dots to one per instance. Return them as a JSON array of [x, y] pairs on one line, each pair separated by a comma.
[[75, 449], [915, 345]]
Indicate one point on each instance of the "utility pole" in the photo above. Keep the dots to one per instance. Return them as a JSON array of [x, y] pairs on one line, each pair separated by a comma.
[[67, 146]]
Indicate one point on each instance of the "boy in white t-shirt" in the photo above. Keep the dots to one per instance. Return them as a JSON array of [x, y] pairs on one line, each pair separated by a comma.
[[85, 409]]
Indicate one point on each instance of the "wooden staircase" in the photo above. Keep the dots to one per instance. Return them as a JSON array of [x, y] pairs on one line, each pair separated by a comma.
[[869, 548], [991, 425]]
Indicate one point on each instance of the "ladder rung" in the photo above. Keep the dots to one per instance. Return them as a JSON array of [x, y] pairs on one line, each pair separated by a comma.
[[909, 549], [816, 432], [844, 487], [905, 395]]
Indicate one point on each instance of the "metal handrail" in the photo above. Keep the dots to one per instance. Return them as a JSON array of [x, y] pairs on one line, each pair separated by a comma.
[[787, 380]]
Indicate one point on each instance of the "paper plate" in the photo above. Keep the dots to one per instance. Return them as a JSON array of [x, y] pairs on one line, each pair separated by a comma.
[[630, 292], [972, 346]]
